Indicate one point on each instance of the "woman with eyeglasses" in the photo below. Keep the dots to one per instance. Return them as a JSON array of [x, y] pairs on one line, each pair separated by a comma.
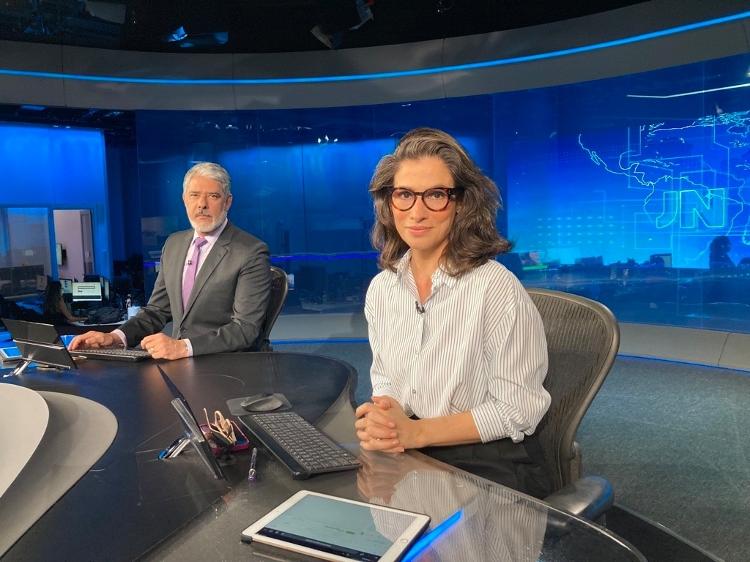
[[459, 352]]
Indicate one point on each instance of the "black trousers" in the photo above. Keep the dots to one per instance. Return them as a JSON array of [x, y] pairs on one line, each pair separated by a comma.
[[517, 465]]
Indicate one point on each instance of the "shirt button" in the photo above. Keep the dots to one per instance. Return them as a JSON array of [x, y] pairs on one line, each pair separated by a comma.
[[413, 390]]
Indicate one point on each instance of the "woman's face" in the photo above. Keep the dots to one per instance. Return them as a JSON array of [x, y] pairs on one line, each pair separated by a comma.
[[424, 231]]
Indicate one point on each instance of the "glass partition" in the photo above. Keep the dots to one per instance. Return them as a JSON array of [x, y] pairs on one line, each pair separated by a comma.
[[630, 190], [54, 167], [24, 250], [299, 180]]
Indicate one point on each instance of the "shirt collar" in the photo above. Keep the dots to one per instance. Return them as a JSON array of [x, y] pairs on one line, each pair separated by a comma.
[[440, 277], [213, 236], [402, 267]]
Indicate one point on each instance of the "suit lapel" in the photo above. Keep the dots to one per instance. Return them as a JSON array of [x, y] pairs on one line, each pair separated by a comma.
[[176, 269], [217, 253]]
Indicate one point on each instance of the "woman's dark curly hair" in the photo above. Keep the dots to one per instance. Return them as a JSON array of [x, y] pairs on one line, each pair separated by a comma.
[[473, 238], [52, 297]]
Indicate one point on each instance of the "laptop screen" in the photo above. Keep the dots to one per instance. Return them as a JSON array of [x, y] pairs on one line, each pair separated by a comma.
[[67, 286], [39, 343]]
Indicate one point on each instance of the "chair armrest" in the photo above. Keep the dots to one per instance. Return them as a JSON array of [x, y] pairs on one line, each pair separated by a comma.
[[589, 497], [575, 463]]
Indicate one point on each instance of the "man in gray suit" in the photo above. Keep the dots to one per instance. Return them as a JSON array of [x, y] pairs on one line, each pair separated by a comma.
[[214, 282]]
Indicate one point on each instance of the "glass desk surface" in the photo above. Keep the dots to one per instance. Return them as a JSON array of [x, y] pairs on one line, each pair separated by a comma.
[[492, 522], [130, 505]]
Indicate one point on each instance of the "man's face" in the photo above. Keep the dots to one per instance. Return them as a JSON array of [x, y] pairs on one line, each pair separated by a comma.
[[206, 204]]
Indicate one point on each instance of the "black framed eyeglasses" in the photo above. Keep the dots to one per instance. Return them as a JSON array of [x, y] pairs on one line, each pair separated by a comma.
[[435, 198]]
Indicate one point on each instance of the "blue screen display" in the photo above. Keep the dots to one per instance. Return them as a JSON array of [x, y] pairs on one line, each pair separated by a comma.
[[614, 189], [664, 188], [631, 190]]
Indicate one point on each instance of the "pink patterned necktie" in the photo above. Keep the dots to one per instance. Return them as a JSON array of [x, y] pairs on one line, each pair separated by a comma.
[[192, 269]]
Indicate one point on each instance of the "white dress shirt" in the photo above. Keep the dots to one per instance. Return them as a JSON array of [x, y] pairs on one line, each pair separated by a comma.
[[476, 344]]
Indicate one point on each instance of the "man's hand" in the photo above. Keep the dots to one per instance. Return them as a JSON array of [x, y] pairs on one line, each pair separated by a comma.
[[161, 346], [95, 340]]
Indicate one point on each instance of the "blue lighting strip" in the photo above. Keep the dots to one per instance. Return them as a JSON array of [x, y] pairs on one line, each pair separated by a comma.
[[685, 361], [693, 93], [306, 257], [376, 75], [432, 536], [319, 341]]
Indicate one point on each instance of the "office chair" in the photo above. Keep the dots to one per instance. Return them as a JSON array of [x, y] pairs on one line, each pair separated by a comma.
[[582, 341], [279, 289]]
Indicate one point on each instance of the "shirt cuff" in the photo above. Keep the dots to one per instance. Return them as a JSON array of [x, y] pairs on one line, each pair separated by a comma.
[[120, 334], [382, 389], [491, 426], [189, 347]]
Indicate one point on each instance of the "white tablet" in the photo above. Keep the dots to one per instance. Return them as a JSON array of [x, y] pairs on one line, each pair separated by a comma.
[[338, 529]]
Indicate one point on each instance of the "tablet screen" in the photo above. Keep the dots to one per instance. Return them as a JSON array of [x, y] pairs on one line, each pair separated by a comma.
[[355, 531], [10, 353]]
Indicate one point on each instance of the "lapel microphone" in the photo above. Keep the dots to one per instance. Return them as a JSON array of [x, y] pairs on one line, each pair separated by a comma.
[[420, 308]]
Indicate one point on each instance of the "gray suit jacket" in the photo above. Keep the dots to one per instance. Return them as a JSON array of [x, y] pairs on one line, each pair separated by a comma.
[[229, 299]]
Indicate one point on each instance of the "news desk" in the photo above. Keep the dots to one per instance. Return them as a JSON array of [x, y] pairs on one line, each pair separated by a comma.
[[132, 505]]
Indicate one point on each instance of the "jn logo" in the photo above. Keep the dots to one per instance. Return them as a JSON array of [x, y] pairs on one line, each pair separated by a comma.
[[690, 206]]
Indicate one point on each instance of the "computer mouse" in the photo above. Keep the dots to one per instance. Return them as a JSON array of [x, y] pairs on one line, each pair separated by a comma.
[[265, 403]]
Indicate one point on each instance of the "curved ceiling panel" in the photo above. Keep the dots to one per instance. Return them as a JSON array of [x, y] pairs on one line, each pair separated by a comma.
[[637, 38]]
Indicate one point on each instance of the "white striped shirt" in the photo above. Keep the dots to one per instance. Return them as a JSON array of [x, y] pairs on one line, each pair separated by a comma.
[[479, 346]]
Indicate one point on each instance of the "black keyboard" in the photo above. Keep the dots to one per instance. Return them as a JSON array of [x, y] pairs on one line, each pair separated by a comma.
[[300, 446], [112, 354]]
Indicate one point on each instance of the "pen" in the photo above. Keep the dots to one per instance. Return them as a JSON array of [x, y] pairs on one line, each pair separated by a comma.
[[164, 454], [253, 458]]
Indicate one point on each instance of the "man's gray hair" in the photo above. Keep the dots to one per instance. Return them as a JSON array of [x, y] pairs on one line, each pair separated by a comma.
[[209, 170]]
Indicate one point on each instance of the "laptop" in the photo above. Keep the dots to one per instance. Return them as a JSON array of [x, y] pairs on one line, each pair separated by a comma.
[[38, 343], [42, 344]]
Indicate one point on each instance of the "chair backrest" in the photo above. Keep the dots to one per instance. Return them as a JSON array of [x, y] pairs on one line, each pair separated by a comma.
[[582, 341], [279, 289]]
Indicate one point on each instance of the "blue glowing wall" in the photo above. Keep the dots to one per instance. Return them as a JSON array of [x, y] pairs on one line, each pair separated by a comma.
[[613, 189], [656, 188], [57, 168], [299, 179]]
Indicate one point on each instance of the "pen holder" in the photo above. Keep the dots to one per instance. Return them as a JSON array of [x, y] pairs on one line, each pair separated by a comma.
[[221, 448]]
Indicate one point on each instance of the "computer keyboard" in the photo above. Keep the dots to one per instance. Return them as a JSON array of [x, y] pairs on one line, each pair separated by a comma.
[[300, 446], [112, 354]]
